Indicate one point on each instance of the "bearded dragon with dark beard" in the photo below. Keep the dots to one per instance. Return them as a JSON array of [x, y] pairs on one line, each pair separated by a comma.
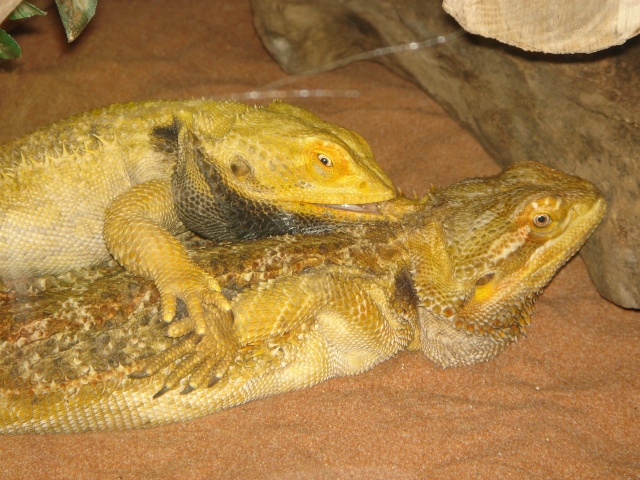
[[124, 180]]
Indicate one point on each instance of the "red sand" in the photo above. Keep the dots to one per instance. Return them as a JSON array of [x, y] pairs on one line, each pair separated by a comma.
[[563, 403]]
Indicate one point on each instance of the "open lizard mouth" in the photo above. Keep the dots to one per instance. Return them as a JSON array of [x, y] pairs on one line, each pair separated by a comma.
[[371, 208]]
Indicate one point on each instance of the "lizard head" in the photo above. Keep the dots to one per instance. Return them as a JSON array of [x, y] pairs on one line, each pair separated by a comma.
[[498, 243], [272, 170], [288, 156]]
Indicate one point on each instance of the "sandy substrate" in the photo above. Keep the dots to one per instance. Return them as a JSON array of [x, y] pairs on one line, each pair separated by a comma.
[[563, 403]]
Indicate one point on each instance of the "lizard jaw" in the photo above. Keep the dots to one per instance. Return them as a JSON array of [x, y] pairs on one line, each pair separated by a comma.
[[370, 208]]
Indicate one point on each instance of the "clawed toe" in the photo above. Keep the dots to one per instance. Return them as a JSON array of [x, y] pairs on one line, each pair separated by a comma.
[[162, 391], [139, 374], [213, 380]]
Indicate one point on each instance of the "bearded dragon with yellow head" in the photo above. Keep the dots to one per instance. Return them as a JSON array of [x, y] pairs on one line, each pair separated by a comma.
[[124, 180]]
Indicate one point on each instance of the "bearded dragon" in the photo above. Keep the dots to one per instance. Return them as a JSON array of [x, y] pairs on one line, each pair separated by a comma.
[[456, 277], [125, 179]]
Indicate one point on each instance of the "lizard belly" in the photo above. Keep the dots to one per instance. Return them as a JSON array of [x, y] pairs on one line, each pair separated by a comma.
[[51, 219]]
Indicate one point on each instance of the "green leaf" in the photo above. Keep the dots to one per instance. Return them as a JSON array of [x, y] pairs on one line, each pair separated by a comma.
[[75, 15], [25, 10], [8, 46]]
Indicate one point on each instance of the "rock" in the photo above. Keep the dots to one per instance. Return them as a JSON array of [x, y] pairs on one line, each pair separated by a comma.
[[569, 26], [578, 113]]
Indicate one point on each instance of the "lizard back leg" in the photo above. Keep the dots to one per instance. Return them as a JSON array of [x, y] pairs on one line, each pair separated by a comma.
[[363, 320]]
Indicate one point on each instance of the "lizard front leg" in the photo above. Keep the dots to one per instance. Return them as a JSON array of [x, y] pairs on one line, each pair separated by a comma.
[[139, 232]]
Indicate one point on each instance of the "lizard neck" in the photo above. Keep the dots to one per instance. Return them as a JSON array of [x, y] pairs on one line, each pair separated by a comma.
[[442, 296]]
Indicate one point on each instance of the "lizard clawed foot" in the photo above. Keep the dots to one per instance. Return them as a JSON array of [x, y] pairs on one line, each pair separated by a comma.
[[203, 359], [206, 352], [195, 288]]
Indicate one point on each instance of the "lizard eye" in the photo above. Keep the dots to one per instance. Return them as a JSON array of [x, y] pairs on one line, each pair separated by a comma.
[[541, 220], [326, 161]]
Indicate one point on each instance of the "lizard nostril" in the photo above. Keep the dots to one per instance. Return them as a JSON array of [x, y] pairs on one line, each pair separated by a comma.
[[363, 185]]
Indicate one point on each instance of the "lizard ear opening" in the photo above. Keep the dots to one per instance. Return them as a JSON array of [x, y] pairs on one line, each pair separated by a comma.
[[240, 167]]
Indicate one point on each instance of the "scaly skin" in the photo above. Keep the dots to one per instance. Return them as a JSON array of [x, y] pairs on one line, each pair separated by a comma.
[[456, 278], [125, 179]]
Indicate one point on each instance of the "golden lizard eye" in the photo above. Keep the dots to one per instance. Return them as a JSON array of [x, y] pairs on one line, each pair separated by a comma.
[[326, 161], [541, 220]]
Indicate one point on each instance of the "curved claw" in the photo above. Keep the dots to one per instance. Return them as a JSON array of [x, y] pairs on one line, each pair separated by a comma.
[[161, 392], [212, 368], [139, 374], [215, 354]]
